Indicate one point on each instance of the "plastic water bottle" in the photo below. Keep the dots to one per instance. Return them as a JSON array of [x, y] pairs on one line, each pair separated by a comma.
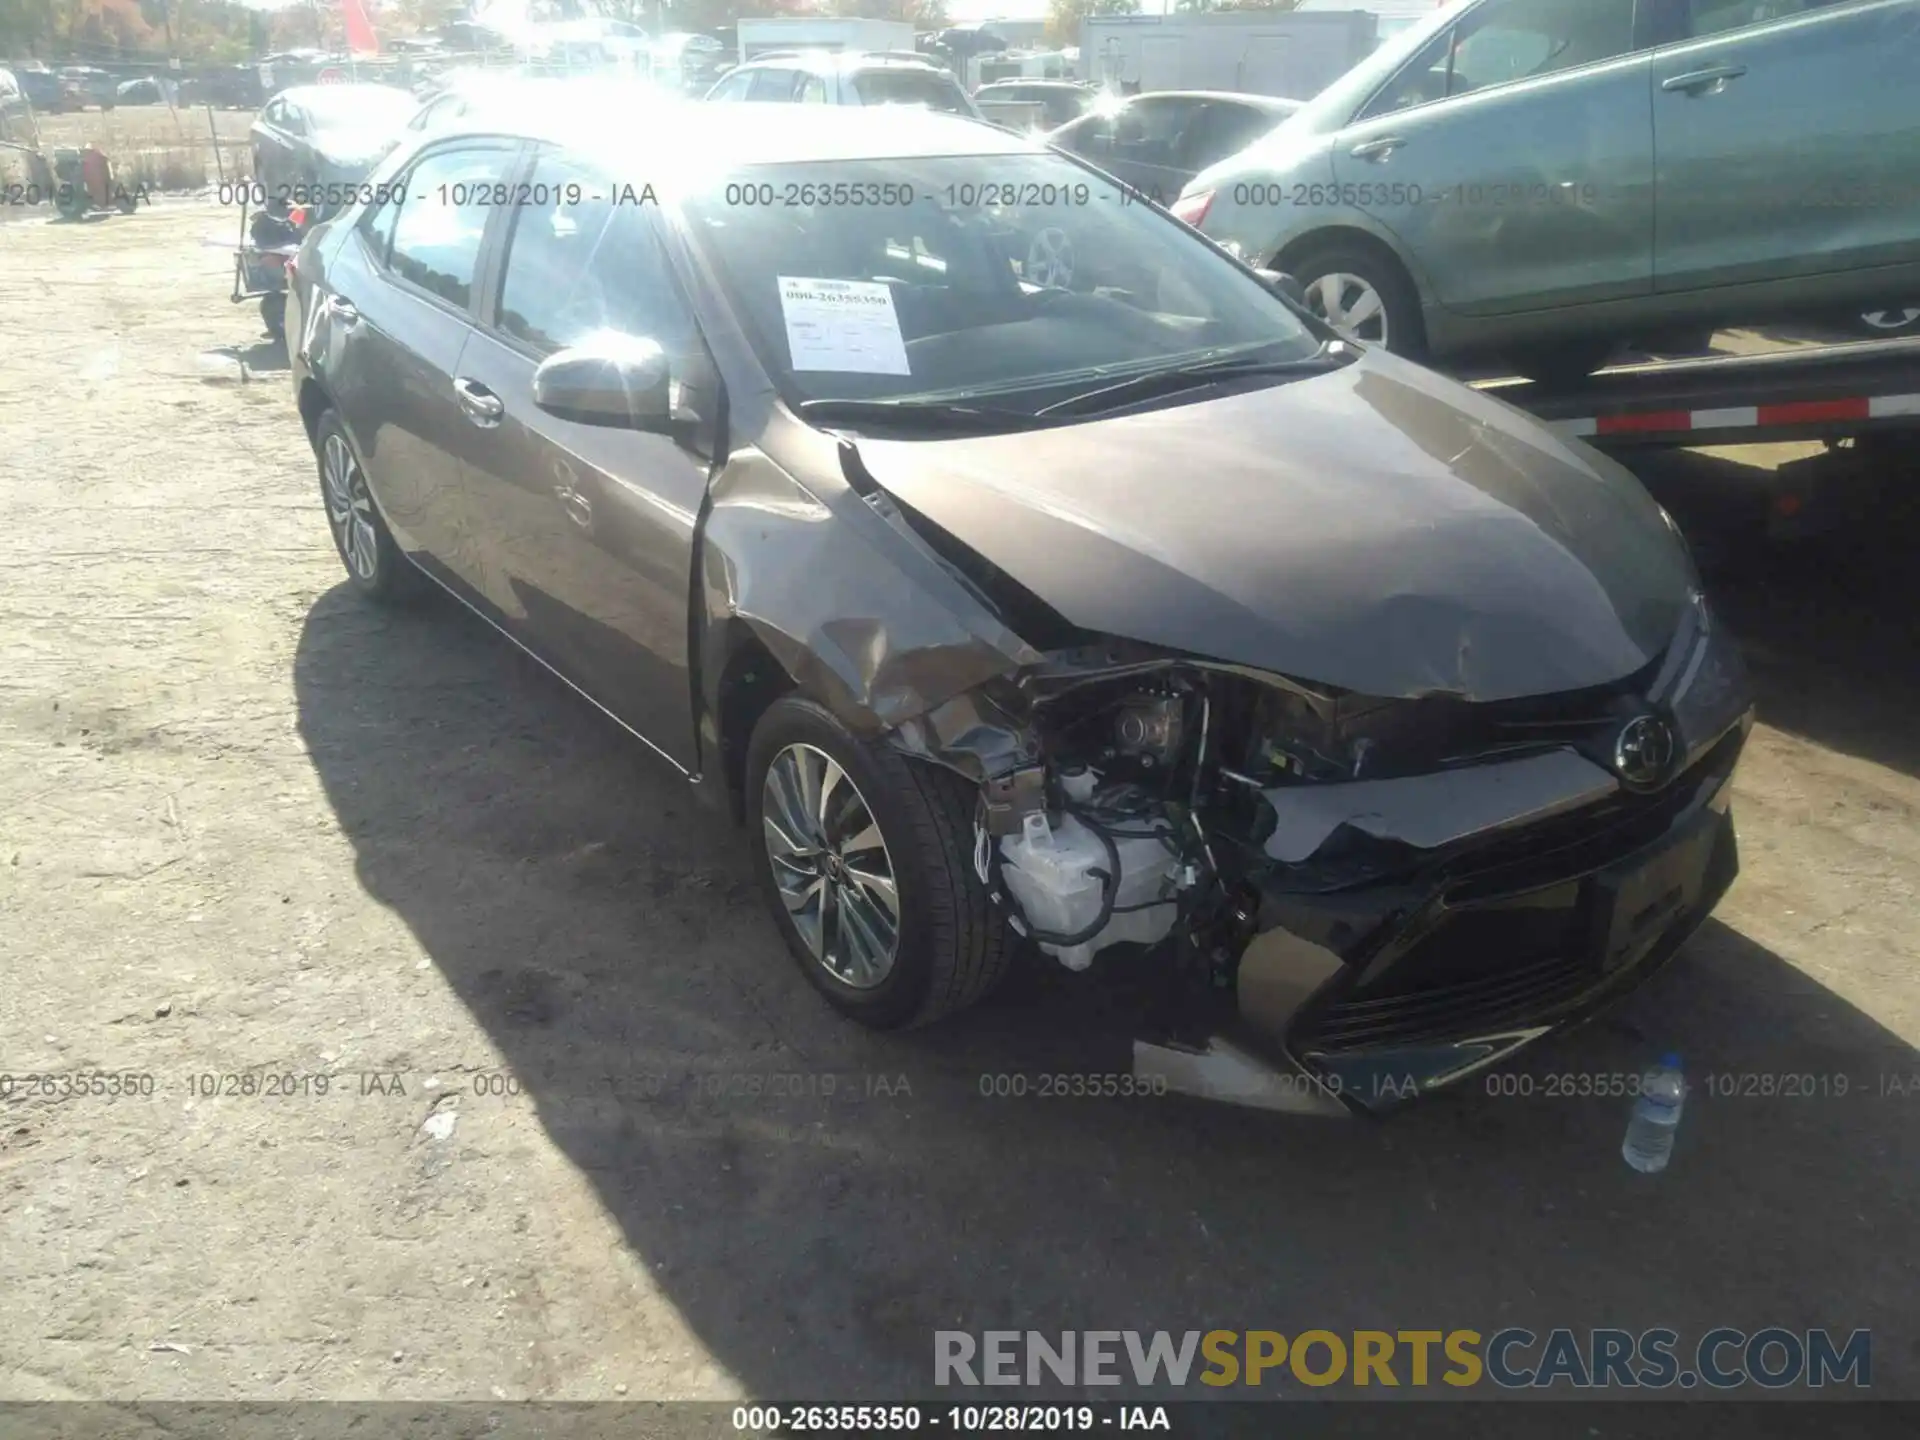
[[1656, 1115]]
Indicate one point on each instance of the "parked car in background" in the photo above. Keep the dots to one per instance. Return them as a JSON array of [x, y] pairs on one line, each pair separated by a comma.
[[145, 91], [1158, 142], [86, 86], [1402, 713], [42, 90], [822, 77], [1059, 100], [312, 143], [1544, 179], [231, 87]]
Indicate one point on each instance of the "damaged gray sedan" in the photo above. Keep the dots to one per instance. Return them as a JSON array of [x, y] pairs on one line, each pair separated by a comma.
[[1032, 578]]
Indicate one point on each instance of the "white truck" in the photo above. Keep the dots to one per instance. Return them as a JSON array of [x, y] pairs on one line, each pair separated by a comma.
[[823, 32], [1289, 54]]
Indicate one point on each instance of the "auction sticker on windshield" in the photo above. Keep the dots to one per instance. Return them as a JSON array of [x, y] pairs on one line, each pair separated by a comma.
[[846, 325]]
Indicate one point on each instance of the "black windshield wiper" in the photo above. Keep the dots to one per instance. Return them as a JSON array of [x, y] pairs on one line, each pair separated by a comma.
[[1330, 356], [921, 414]]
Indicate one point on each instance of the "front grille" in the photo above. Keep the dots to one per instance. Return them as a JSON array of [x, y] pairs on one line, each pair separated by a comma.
[[1510, 941], [1587, 839], [1525, 994]]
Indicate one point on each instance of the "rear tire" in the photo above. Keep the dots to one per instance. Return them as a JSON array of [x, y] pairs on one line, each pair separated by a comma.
[[950, 943], [1363, 294], [375, 565]]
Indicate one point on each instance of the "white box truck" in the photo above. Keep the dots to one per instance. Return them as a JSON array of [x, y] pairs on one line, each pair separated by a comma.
[[823, 32], [1292, 55]]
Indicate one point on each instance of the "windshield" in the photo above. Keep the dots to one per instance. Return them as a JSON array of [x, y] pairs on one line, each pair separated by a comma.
[[910, 87], [960, 276], [361, 107]]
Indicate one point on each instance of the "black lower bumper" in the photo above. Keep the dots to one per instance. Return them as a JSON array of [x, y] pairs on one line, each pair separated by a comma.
[[1382, 995]]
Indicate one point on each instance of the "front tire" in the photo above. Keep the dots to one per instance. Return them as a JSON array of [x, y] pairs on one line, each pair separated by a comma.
[[1363, 294], [375, 565], [865, 859]]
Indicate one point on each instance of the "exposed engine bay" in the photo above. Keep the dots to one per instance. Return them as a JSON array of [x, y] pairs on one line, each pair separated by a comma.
[[1190, 806]]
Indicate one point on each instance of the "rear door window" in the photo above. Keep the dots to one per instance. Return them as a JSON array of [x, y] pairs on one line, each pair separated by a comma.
[[438, 228], [1091, 136], [581, 263], [774, 85], [1149, 131], [1223, 129], [910, 87], [1504, 41]]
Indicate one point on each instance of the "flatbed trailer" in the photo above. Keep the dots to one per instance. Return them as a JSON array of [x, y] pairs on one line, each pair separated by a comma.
[[1823, 392]]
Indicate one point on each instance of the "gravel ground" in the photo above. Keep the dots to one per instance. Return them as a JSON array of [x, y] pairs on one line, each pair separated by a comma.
[[250, 826]]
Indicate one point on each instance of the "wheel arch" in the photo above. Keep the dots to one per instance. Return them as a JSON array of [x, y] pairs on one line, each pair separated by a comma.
[[1331, 237], [818, 594], [313, 401], [750, 679]]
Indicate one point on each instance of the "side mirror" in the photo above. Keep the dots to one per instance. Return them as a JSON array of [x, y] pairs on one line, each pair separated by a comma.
[[1285, 286], [607, 379]]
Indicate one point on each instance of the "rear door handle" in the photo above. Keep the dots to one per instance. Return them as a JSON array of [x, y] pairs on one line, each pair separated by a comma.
[[1377, 149], [480, 405], [1695, 82]]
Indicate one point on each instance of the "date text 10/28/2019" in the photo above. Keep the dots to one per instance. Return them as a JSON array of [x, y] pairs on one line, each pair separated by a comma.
[[952, 1419]]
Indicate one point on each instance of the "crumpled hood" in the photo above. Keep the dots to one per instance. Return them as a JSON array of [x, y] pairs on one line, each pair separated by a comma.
[[1377, 528]]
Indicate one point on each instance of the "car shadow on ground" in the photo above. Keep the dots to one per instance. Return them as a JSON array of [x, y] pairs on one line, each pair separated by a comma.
[[598, 922]]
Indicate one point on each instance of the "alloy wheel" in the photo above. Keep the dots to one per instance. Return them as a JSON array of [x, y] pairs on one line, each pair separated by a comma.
[[349, 508], [1350, 305], [831, 866], [1050, 259], [1899, 317]]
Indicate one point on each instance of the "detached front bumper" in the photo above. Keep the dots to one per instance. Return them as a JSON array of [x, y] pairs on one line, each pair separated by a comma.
[[1378, 995]]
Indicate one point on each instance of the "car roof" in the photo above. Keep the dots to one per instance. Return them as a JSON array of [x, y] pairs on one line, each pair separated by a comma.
[[734, 134]]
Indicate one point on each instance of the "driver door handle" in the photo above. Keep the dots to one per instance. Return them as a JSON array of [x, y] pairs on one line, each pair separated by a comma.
[[342, 311], [1377, 149], [1694, 82], [477, 403]]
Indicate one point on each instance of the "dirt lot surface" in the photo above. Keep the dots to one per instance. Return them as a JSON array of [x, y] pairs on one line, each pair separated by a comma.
[[250, 826]]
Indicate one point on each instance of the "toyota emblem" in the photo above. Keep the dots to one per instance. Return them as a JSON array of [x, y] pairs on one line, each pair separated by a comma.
[[1643, 751]]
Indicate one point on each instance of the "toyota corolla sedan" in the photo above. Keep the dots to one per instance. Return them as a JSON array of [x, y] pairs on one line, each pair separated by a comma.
[[1035, 580]]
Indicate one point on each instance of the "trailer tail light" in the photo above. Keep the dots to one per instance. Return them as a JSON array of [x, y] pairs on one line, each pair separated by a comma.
[[297, 217], [1193, 208]]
